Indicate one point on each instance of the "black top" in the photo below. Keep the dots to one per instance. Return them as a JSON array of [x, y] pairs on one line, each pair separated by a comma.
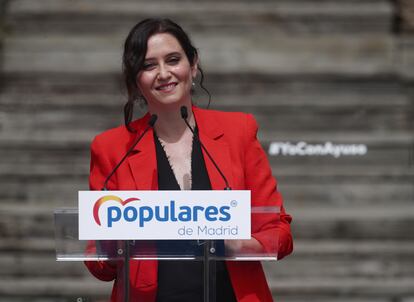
[[182, 281]]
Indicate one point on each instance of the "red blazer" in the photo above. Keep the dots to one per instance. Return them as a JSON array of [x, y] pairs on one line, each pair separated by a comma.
[[231, 140]]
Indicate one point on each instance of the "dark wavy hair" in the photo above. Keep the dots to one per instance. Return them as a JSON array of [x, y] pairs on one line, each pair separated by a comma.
[[135, 49]]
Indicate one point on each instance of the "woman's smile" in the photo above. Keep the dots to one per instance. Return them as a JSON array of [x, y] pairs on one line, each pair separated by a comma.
[[167, 88]]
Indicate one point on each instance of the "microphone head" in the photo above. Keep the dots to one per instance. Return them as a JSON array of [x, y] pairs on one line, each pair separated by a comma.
[[152, 120], [184, 112]]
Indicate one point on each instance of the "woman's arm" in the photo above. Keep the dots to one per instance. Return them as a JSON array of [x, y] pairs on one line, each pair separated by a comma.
[[99, 169], [271, 230]]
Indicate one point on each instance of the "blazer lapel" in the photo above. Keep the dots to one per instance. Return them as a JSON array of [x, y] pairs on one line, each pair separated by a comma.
[[212, 137], [143, 163]]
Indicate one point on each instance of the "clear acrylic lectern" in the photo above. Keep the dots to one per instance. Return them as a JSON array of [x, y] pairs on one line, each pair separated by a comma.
[[117, 256]]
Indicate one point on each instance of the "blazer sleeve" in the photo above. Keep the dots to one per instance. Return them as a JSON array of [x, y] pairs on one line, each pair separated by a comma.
[[271, 230], [99, 169], [100, 165]]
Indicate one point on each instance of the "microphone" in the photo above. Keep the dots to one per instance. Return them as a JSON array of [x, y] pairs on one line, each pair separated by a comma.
[[151, 124], [184, 116]]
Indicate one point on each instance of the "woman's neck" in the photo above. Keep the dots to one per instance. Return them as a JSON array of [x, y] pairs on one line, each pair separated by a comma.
[[170, 125]]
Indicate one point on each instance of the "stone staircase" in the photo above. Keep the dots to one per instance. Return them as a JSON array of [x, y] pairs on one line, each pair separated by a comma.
[[312, 71]]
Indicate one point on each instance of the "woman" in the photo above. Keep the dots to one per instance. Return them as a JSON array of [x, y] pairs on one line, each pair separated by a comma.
[[160, 66]]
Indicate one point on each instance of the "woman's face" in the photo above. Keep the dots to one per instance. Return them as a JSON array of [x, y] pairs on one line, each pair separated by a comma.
[[167, 75]]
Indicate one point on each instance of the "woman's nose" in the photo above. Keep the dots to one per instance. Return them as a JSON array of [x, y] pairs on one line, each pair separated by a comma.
[[164, 72]]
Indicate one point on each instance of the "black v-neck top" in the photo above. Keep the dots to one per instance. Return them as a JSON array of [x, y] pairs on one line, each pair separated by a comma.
[[166, 177], [182, 281]]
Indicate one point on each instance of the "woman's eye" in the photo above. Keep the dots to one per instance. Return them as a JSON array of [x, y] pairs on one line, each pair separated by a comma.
[[174, 60], [148, 66]]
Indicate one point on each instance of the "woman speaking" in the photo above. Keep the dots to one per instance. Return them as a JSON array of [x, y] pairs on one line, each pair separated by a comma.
[[160, 67]]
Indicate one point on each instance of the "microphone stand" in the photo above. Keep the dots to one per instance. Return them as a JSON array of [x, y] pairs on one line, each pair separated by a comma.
[[126, 270], [206, 261], [209, 245], [126, 250]]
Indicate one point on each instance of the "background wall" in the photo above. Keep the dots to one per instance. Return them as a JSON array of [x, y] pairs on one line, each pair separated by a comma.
[[310, 70]]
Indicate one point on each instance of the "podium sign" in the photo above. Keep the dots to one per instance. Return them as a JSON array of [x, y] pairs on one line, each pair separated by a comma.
[[173, 215]]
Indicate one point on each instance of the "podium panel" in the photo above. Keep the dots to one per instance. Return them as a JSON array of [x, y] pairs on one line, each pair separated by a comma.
[[116, 259]]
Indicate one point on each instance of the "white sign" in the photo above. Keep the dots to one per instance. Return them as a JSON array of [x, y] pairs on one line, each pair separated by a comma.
[[153, 215]]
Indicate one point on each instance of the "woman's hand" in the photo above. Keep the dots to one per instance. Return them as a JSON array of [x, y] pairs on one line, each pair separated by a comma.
[[240, 247]]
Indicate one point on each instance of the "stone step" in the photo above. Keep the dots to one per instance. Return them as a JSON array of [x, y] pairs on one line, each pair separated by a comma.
[[311, 259], [374, 145], [44, 265], [406, 11], [67, 137], [346, 173], [263, 103], [62, 298], [284, 133], [406, 61], [340, 128], [348, 289], [354, 55], [394, 156], [51, 159], [47, 161], [296, 196], [384, 222], [237, 16], [319, 119], [330, 298], [328, 135], [60, 289], [317, 192], [281, 117], [345, 259], [359, 222], [234, 91], [53, 191], [29, 84], [36, 257], [299, 289], [350, 248], [35, 245], [345, 194], [107, 89]]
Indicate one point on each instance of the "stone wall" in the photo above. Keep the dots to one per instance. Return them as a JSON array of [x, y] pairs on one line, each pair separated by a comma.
[[313, 71]]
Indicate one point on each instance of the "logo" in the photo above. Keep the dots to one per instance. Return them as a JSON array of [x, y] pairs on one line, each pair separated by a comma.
[[103, 199], [168, 212], [164, 215]]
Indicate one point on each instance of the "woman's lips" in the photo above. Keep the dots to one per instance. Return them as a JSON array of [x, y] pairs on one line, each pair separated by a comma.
[[166, 87]]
